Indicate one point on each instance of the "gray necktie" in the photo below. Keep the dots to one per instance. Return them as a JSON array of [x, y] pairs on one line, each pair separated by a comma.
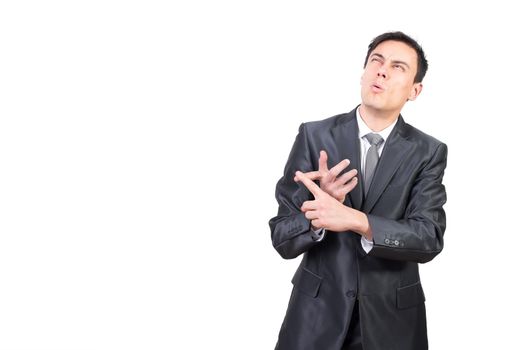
[[371, 159]]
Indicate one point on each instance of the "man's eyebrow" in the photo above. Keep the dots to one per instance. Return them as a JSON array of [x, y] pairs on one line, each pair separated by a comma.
[[378, 55], [401, 62], [394, 62]]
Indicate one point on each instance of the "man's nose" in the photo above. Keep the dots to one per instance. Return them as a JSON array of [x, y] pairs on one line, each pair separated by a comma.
[[382, 72]]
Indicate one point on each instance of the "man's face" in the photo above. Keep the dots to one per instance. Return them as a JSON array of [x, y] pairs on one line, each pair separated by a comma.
[[388, 78]]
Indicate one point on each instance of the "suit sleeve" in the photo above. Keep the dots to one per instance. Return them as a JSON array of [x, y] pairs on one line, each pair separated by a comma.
[[419, 235], [291, 232]]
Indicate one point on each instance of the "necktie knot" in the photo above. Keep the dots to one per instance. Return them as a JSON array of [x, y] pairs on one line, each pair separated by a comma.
[[374, 139]]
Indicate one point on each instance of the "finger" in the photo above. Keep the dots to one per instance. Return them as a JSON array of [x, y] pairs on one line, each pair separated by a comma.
[[311, 215], [337, 169], [349, 186], [310, 185], [308, 205], [316, 223], [344, 178], [312, 175], [322, 162]]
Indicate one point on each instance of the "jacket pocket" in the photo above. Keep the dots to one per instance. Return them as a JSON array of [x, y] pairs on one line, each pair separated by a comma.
[[307, 282], [409, 296]]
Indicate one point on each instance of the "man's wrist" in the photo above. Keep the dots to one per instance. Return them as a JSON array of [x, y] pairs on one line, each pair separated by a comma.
[[365, 230], [360, 224]]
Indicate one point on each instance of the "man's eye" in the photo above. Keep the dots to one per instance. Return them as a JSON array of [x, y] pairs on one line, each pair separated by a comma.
[[398, 66]]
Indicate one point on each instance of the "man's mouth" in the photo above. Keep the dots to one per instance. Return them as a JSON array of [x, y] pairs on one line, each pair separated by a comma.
[[375, 87]]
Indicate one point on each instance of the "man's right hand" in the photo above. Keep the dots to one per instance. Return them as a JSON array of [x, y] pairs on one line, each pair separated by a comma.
[[336, 186]]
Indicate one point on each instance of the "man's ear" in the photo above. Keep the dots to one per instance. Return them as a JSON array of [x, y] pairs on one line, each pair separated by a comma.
[[415, 91]]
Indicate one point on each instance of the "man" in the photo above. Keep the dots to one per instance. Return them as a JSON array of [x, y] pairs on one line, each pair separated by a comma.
[[363, 232]]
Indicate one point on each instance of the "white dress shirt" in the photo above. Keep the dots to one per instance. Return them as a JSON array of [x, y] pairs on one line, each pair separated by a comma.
[[363, 130]]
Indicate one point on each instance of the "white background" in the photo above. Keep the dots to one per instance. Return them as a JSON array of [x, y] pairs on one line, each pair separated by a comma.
[[140, 143]]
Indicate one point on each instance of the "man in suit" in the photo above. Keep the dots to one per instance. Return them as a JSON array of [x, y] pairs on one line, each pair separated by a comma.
[[375, 214]]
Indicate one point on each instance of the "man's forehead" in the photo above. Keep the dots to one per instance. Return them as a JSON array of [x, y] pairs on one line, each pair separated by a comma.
[[396, 50]]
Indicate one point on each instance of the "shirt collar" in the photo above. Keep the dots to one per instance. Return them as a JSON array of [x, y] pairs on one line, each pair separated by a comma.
[[363, 129]]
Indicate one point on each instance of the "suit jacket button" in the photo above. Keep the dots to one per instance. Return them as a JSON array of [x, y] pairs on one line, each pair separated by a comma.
[[351, 294]]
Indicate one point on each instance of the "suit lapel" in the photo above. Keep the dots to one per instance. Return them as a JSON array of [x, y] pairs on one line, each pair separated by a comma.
[[345, 136], [394, 153]]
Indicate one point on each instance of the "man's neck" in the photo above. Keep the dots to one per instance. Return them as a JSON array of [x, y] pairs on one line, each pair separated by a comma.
[[377, 120]]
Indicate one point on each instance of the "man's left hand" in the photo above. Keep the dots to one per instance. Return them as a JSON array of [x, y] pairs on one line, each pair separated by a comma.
[[326, 212]]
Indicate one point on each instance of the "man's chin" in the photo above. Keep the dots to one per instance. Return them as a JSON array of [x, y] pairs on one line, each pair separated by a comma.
[[373, 105]]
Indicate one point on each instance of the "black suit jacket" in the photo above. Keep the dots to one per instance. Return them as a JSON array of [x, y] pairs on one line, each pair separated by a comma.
[[404, 207]]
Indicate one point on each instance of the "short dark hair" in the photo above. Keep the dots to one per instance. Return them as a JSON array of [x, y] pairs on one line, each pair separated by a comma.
[[422, 62]]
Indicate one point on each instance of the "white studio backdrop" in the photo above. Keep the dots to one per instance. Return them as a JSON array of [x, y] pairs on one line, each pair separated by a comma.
[[140, 145]]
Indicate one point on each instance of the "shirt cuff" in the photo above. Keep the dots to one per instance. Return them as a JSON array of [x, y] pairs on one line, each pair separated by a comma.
[[367, 245], [319, 234]]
